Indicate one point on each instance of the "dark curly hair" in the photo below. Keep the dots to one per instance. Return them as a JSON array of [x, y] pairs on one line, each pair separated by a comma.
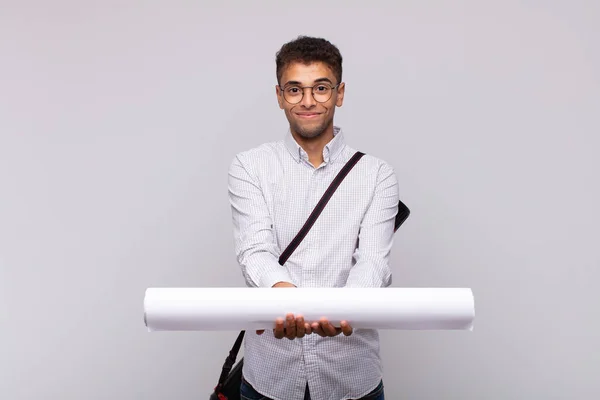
[[308, 49]]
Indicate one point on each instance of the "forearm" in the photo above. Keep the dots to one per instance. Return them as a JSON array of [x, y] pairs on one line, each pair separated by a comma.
[[261, 269], [376, 235], [369, 274]]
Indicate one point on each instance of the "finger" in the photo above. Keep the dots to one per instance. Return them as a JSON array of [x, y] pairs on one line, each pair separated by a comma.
[[346, 328], [278, 331], [316, 327], [290, 329], [300, 326], [307, 328], [328, 328], [260, 332]]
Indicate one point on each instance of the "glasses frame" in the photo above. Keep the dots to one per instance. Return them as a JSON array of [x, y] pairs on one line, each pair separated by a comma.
[[312, 92]]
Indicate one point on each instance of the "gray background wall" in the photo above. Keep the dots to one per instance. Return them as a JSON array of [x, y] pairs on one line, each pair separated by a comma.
[[118, 121]]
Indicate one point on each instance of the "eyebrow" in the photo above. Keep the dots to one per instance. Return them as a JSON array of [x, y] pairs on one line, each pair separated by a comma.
[[316, 81]]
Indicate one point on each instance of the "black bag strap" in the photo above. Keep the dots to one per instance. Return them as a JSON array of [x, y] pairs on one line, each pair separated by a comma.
[[230, 360], [319, 207]]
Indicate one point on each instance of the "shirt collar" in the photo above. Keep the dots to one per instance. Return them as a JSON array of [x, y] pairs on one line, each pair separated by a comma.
[[330, 152]]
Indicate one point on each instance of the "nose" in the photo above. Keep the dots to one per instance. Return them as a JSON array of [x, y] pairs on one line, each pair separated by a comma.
[[308, 99]]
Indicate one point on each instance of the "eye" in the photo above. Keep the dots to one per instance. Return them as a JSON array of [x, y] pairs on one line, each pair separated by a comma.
[[322, 88], [292, 90]]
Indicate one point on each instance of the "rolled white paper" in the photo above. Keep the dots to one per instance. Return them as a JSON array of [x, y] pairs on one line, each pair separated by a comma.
[[216, 309]]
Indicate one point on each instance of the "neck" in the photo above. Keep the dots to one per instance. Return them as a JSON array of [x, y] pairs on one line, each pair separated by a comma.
[[314, 146]]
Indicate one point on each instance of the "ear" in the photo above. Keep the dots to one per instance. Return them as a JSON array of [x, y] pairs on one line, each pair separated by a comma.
[[279, 97], [340, 94]]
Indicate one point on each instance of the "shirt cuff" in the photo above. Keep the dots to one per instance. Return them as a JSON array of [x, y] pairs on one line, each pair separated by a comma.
[[273, 277]]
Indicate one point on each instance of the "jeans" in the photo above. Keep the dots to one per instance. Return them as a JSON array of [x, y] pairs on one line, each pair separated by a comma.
[[247, 392]]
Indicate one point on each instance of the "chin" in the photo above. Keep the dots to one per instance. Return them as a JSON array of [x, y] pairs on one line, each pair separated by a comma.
[[310, 132]]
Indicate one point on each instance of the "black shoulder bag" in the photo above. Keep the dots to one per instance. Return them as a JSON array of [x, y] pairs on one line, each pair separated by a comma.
[[230, 380]]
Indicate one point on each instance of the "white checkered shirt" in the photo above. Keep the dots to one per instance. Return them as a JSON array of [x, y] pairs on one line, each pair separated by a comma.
[[273, 189]]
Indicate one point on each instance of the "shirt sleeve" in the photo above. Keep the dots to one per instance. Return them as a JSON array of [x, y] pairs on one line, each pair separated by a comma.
[[255, 246], [376, 235]]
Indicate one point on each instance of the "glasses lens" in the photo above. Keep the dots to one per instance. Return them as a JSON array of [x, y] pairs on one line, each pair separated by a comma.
[[322, 92], [293, 94]]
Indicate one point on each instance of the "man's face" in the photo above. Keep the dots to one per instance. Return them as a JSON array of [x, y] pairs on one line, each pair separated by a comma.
[[309, 118]]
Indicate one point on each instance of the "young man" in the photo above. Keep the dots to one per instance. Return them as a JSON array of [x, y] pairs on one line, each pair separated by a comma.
[[273, 189]]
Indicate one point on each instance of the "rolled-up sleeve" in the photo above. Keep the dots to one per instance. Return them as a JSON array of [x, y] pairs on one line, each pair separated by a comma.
[[255, 245], [376, 234]]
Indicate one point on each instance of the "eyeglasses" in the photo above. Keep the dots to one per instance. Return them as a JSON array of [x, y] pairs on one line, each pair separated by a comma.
[[321, 92]]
